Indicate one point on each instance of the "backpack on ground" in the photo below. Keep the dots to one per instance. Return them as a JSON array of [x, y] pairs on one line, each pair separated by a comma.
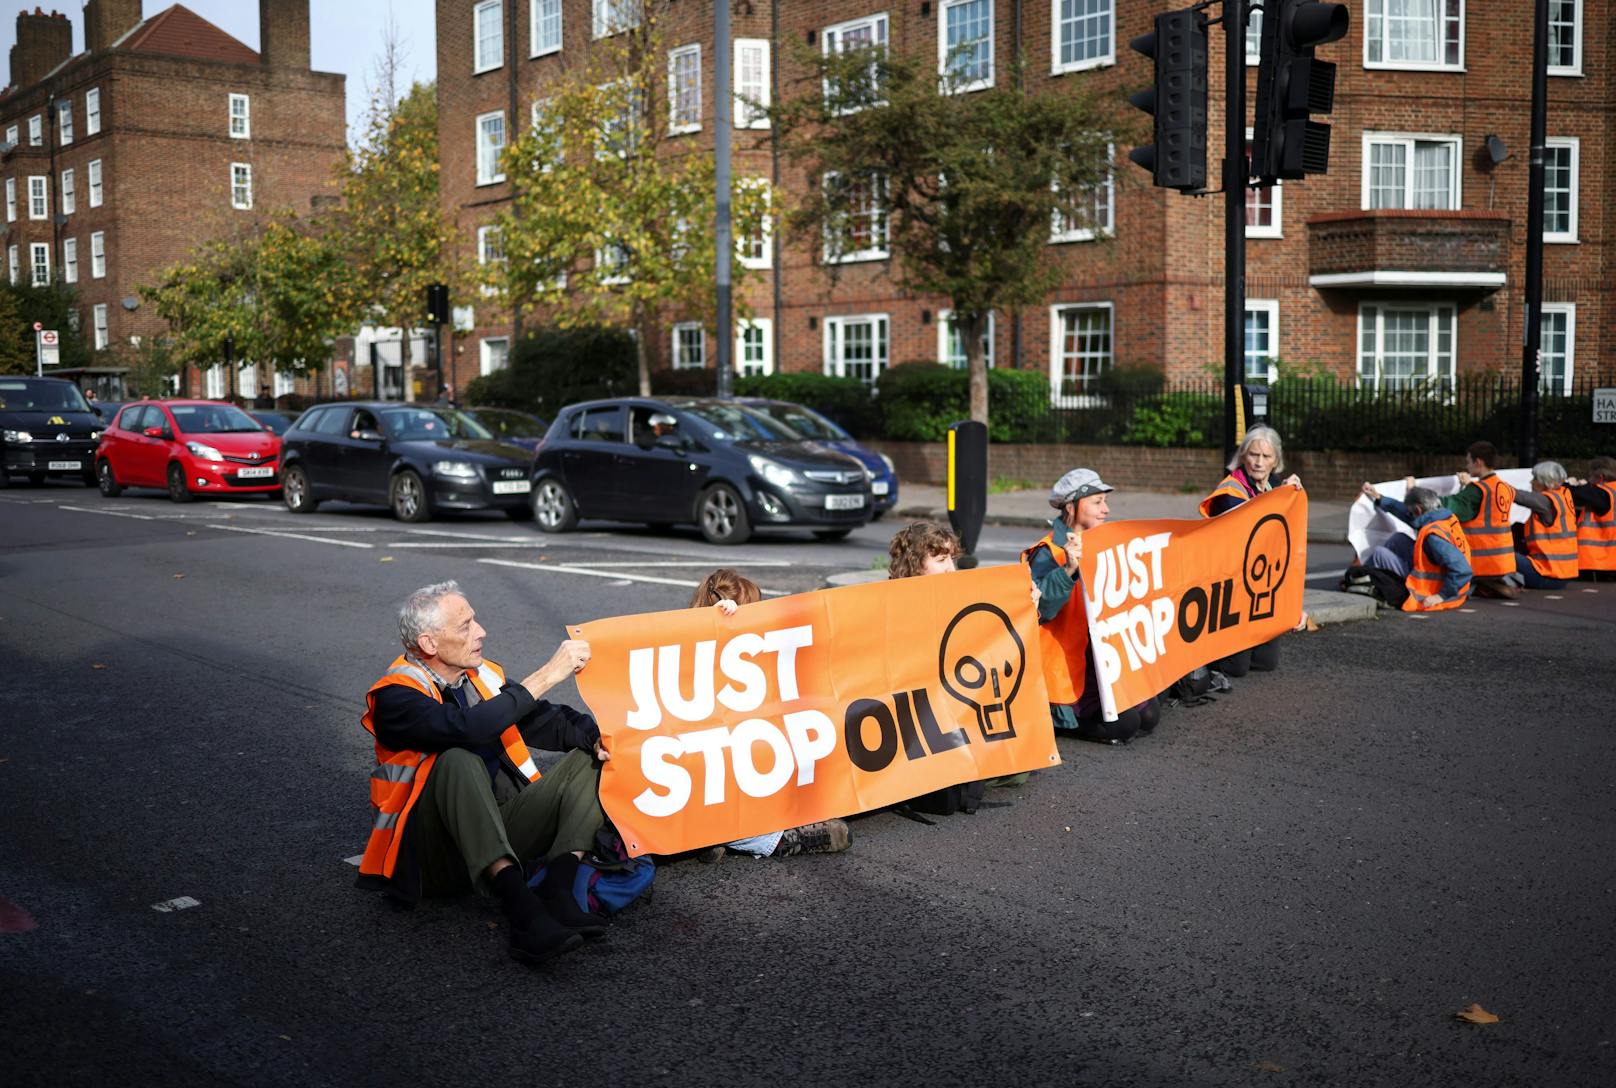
[[608, 879], [965, 797], [1192, 689]]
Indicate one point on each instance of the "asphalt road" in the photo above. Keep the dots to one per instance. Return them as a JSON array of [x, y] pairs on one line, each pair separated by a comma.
[[1300, 883]]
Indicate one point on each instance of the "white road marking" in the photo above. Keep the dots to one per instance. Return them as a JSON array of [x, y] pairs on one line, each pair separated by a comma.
[[355, 860], [1553, 597], [695, 563], [465, 544], [293, 536], [473, 536], [338, 529], [109, 513], [560, 568], [181, 903]]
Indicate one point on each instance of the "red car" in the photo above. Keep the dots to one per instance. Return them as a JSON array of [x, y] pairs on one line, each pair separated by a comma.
[[189, 447]]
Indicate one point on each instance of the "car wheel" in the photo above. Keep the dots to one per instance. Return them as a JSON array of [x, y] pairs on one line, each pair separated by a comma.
[[832, 534], [110, 487], [519, 513], [177, 489], [407, 496], [553, 506], [722, 516], [296, 493]]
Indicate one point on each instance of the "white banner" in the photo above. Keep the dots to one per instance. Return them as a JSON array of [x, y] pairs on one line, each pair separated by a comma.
[[1369, 528]]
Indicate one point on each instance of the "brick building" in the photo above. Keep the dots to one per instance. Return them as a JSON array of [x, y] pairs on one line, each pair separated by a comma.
[[165, 132], [1405, 261]]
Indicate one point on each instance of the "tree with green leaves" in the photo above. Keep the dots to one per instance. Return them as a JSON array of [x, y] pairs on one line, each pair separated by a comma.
[[611, 221], [53, 306], [964, 188]]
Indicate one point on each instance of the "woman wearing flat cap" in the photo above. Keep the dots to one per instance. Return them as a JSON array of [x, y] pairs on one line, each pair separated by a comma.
[[1063, 627]]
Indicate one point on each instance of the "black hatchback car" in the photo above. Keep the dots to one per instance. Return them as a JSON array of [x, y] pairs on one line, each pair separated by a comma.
[[416, 459], [725, 467], [48, 430]]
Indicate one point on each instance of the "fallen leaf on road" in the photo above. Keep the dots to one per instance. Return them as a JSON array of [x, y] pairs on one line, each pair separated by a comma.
[[190, 532], [385, 559], [1270, 1067], [1312, 624], [98, 665], [1475, 1014], [177, 577]]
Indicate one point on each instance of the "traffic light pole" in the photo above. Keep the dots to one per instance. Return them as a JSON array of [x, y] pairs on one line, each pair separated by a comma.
[[1526, 446], [1235, 174]]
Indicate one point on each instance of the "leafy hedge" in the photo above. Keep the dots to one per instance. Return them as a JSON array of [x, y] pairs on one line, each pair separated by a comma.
[[919, 401], [556, 367], [845, 400]]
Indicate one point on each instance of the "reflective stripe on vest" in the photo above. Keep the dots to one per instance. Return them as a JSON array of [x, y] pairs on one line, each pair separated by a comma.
[[1492, 547], [1228, 486], [1596, 536], [1426, 577], [400, 776], [1552, 551], [1064, 640]]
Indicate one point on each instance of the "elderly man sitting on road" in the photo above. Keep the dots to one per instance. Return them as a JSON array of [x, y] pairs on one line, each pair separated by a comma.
[[1427, 573], [456, 798]]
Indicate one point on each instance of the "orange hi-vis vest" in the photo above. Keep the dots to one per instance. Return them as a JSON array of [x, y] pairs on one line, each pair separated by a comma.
[[1064, 640], [1492, 547], [1596, 536], [1426, 577], [400, 777], [1552, 550], [1228, 486]]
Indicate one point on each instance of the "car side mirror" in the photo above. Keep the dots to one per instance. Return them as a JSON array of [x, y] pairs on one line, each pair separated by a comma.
[[154, 432], [369, 436], [670, 442]]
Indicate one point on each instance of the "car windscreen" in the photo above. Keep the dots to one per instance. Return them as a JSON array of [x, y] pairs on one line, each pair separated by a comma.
[[212, 419], [423, 424], [510, 424], [738, 424], [805, 421], [276, 422], [23, 395]]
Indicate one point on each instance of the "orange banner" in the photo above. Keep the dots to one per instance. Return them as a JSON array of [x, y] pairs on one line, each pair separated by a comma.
[[1165, 597], [811, 706]]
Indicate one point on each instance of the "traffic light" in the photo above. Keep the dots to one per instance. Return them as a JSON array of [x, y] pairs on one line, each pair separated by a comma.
[[1177, 101], [437, 303], [1291, 84]]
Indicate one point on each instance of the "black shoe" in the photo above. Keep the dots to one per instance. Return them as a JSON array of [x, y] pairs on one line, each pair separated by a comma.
[[825, 837], [542, 939], [556, 895]]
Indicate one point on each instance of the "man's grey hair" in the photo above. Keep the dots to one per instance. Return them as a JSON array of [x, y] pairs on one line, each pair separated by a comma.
[[1548, 475], [422, 611], [1421, 500], [1260, 434]]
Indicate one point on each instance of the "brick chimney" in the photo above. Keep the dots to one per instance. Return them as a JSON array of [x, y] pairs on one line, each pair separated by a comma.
[[283, 31], [105, 21], [43, 42]]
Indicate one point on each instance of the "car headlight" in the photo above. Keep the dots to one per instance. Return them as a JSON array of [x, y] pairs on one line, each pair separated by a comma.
[[892, 468], [460, 470], [776, 474], [869, 474], [19, 436], [207, 453], [94, 435]]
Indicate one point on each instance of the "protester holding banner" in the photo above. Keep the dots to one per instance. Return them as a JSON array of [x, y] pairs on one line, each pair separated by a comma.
[[1482, 505], [923, 547], [1069, 676], [1428, 572], [1547, 558], [1595, 503]]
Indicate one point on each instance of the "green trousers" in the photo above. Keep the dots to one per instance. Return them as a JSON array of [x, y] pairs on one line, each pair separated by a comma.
[[462, 824]]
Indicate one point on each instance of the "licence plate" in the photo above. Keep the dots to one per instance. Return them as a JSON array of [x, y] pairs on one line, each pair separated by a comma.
[[879, 487], [65, 466], [512, 487], [255, 473], [844, 502]]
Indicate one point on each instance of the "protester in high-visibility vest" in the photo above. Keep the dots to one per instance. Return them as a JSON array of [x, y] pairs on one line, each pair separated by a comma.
[[457, 801], [1256, 462], [1429, 571], [1482, 505], [1594, 500], [1074, 694], [1548, 539]]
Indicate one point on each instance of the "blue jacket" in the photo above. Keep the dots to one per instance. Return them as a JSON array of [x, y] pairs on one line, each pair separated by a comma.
[[1437, 550]]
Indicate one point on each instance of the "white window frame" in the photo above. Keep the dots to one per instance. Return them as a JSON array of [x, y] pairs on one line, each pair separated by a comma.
[[682, 331], [1276, 195], [39, 264], [12, 267], [1409, 65], [879, 252], [479, 62], [215, 382], [881, 30], [1569, 309], [1254, 38], [1409, 139], [98, 320], [982, 84], [1434, 312], [38, 196], [94, 182], [945, 339], [64, 121], [70, 195], [36, 130], [601, 263], [1104, 60], [765, 261], [675, 57], [609, 17], [11, 134], [92, 111], [485, 354], [241, 194], [98, 255], [1057, 363], [835, 339], [539, 13], [283, 384], [495, 175], [488, 240], [1575, 67], [70, 260], [759, 91], [244, 130], [247, 382], [764, 326], [1574, 144], [11, 200], [1107, 226], [1270, 306]]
